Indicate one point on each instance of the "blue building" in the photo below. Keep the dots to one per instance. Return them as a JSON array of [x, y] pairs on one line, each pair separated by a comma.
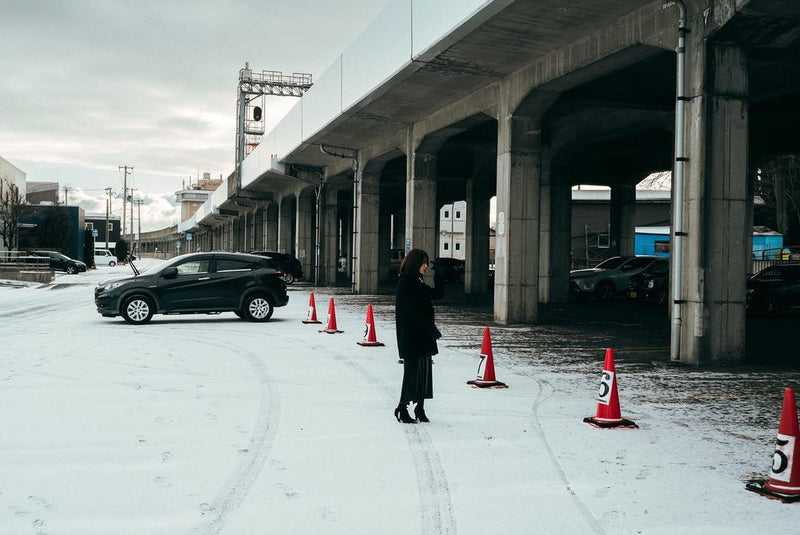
[[655, 241]]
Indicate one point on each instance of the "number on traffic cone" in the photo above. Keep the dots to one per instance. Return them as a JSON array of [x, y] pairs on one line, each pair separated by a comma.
[[311, 317], [331, 328], [486, 377], [370, 338], [608, 414], [784, 476]]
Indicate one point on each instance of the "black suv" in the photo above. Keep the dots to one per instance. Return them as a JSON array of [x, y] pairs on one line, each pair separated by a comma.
[[651, 284], [60, 262], [774, 289], [291, 267], [196, 283]]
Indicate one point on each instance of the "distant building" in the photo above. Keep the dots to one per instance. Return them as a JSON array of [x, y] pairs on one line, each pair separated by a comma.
[[97, 221], [192, 197], [452, 230], [42, 192], [10, 175]]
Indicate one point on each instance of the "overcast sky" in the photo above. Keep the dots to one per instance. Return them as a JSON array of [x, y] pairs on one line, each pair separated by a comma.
[[91, 85]]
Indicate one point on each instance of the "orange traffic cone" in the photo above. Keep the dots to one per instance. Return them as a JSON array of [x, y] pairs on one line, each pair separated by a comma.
[[311, 316], [331, 328], [784, 477], [486, 378], [608, 414], [369, 331]]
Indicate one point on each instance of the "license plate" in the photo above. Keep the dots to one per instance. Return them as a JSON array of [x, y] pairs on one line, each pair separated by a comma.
[[632, 294]]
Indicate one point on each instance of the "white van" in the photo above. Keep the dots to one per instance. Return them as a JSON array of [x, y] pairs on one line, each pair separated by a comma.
[[103, 257]]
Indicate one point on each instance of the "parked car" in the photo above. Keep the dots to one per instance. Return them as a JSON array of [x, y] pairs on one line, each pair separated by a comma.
[[291, 267], [651, 284], [103, 257], [774, 289], [60, 262], [245, 284], [608, 278], [451, 269]]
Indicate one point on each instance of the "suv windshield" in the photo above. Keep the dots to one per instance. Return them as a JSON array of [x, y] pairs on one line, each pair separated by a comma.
[[612, 263]]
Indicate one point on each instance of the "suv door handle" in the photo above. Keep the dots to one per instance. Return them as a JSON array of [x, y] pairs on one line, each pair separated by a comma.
[[204, 278]]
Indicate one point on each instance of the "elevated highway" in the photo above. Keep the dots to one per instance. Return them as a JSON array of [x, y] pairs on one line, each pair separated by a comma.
[[441, 101]]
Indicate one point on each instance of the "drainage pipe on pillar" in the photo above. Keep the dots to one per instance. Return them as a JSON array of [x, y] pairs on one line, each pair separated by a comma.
[[677, 183]]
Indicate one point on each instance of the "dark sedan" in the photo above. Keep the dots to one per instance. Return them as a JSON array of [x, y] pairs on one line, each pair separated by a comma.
[[60, 262], [291, 267], [774, 289], [196, 283]]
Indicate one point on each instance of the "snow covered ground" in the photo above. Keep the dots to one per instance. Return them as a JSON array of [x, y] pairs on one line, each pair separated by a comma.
[[212, 425]]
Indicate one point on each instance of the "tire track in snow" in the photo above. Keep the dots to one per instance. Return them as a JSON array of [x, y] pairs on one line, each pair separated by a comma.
[[436, 505], [545, 392], [233, 492]]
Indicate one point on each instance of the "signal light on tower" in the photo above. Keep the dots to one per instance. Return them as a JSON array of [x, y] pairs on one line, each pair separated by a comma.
[[257, 113]]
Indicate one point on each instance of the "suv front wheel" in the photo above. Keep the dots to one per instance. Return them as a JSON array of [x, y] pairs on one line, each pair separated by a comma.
[[137, 309], [258, 308]]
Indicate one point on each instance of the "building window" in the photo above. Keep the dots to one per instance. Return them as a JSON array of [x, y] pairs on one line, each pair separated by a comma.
[[446, 214], [446, 246], [458, 214], [662, 246], [88, 226], [110, 227], [458, 247], [603, 240]]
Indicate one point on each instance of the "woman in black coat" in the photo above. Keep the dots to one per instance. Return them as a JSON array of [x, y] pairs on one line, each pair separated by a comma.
[[416, 335]]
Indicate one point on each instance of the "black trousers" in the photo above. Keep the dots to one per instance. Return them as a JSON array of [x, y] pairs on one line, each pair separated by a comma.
[[417, 380]]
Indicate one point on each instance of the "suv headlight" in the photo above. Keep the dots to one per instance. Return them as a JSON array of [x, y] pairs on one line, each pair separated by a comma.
[[110, 286], [650, 284]]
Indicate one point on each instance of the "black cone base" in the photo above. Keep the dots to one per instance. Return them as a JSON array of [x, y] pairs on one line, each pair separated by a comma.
[[622, 424], [759, 488]]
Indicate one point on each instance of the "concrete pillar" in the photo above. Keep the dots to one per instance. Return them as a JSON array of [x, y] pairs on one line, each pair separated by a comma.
[[271, 227], [421, 213], [366, 237], [555, 234], [516, 289], [286, 230], [476, 243], [623, 219], [716, 206], [304, 241], [329, 224]]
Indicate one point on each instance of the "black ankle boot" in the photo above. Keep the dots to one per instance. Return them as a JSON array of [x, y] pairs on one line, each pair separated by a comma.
[[419, 412], [402, 416]]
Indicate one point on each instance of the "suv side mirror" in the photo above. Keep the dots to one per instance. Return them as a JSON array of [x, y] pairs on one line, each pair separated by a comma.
[[170, 273]]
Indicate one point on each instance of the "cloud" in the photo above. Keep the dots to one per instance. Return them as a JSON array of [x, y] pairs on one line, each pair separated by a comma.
[[157, 211]]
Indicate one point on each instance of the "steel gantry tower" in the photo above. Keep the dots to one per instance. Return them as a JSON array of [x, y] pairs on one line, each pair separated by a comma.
[[253, 87]]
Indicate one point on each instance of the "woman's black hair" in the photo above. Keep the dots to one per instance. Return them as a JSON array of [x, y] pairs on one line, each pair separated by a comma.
[[413, 261]]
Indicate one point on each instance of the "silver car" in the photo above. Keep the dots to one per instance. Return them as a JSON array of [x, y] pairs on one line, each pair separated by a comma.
[[608, 278]]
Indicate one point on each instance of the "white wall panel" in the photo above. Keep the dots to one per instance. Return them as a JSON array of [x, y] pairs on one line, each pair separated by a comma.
[[289, 132], [323, 102], [380, 51]]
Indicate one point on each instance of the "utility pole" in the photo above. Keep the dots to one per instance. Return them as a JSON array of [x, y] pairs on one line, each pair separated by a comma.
[[124, 194], [108, 209], [66, 195], [130, 245], [138, 203]]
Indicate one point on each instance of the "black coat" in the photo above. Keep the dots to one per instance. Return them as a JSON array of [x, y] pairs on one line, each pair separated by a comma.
[[414, 317]]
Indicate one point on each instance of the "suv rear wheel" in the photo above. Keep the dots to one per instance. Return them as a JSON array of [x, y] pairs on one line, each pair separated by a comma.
[[258, 308], [137, 309]]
